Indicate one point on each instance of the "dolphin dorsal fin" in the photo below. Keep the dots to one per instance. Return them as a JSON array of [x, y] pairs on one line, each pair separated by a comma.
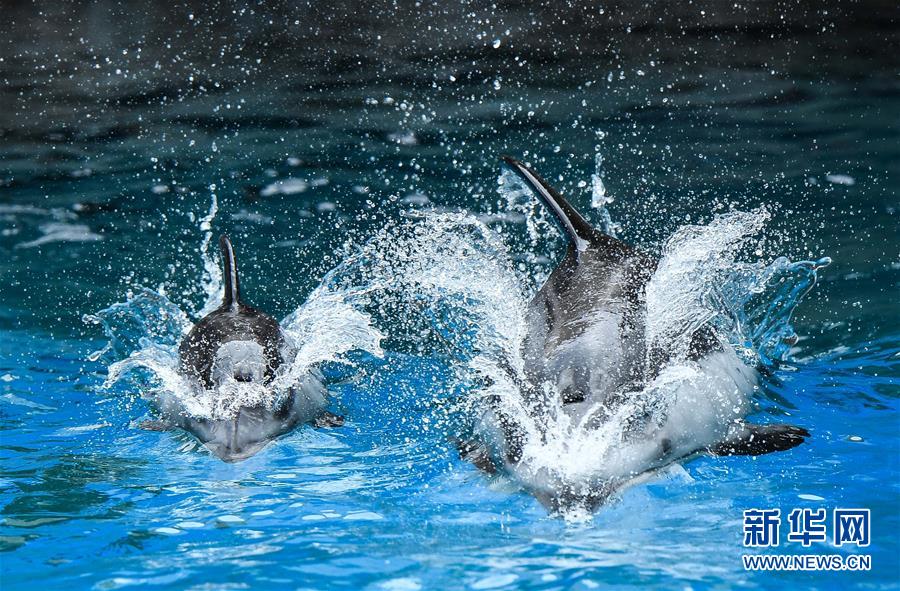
[[578, 230], [232, 297]]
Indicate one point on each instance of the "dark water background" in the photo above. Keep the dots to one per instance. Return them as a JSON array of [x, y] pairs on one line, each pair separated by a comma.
[[118, 120]]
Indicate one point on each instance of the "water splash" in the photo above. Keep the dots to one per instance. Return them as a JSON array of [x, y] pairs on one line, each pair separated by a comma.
[[211, 282], [600, 200], [423, 278], [760, 300], [145, 331], [146, 318], [685, 292], [699, 281], [448, 284]]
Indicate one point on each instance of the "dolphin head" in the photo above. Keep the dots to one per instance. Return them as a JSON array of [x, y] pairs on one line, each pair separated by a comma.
[[238, 437], [241, 361], [234, 354], [240, 376], [246, 430]]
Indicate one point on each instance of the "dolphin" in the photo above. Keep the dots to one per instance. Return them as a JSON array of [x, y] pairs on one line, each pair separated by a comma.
[[586, 337], [237, 346]]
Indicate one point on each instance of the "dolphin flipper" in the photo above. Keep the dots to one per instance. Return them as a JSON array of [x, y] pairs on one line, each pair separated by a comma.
[[579, 231], [756, 440]]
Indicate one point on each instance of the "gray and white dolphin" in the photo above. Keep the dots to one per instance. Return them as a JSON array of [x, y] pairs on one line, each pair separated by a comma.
[[586, 337], [237, 345]]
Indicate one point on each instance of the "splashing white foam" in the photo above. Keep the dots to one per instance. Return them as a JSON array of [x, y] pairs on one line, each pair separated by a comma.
[[211, 282], [146, 330], [599, 198], [447, 284], [684, 292], [450, 280]]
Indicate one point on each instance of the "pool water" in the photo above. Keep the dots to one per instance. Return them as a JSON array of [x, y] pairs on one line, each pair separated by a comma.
[[312, 130]]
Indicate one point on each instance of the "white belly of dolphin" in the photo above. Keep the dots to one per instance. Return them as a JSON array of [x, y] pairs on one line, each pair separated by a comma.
[[707, 402], [688, 408]]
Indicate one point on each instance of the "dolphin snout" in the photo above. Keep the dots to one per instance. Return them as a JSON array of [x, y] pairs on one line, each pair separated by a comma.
[[234, 451], [231, 440]]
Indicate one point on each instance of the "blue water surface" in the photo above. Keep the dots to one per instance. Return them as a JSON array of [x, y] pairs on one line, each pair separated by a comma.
[[314, 127]]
